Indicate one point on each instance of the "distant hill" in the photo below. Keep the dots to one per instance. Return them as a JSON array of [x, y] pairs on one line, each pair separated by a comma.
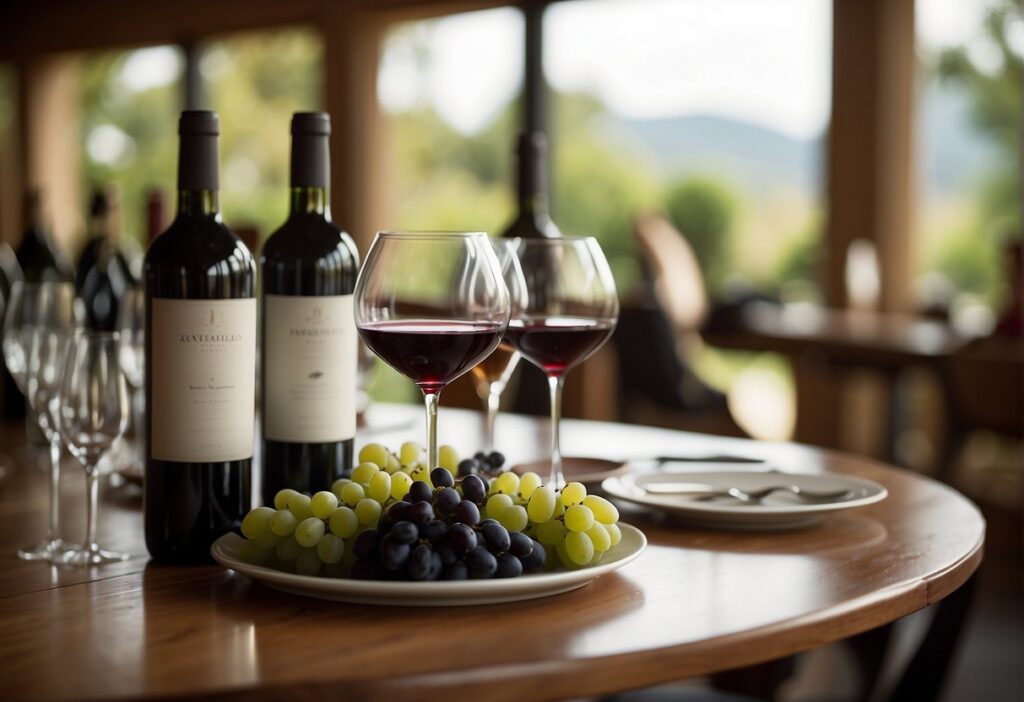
[[759, 158]]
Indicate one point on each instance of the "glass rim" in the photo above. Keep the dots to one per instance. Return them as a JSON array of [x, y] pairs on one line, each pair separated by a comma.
[[436, 234], [557, 239]]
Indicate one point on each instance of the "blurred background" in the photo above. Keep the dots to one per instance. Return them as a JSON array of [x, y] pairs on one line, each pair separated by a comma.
[[812, 208]]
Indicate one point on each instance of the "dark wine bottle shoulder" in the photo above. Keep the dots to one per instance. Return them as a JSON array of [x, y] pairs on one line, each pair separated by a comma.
[[40, 259], [309, 255], [527, 226], [197, 258], [102, 256]]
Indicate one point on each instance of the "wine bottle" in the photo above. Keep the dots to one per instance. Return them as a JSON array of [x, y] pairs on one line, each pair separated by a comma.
[[103, 274], [533, 220], [309, 340], [200, 363], [10, 272], [38, 256]]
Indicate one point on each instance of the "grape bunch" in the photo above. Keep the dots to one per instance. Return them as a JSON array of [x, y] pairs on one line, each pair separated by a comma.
[[395, 519]]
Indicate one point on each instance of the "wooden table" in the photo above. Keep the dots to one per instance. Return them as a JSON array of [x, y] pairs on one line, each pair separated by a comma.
[[695, 602]]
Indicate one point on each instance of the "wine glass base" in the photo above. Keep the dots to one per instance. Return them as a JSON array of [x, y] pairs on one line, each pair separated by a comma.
[[53, 550], [92, 557]]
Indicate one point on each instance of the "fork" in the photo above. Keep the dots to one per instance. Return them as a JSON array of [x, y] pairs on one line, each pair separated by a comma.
[[710, 492]]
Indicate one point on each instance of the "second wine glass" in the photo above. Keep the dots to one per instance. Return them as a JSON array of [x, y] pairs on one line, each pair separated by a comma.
[[432, 305]]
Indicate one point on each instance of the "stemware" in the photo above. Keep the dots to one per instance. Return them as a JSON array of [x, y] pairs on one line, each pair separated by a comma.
[[131, 356], [93, 414], [492, 374], [571, 311], [431, 305], [48, 325]]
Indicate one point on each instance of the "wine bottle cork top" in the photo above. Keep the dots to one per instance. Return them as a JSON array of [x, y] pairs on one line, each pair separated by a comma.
[[199, 122], [311, 123]]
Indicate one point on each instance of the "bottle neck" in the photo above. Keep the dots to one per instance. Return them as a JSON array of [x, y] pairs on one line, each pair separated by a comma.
[[532, 180], [310, 200], [198, 203]]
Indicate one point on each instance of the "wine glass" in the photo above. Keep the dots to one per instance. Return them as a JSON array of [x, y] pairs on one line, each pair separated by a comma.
[[570, 313], [492, 374], [432, 305], [49, 324], [131, 356], [93, 413]]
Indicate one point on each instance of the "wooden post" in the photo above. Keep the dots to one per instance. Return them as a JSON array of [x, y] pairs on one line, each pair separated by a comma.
[[870, 164], [47, 132]]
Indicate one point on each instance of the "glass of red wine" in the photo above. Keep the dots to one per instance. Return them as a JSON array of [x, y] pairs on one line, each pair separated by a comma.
[[432, 305], [571, 311]]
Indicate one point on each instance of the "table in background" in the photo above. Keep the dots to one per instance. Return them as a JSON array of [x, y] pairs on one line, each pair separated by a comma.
[[694, 603]]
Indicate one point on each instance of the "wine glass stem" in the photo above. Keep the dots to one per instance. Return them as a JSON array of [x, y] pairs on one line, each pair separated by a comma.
[[92, 495], [430, 399], [54, 488], [493, 401], [556, 480]]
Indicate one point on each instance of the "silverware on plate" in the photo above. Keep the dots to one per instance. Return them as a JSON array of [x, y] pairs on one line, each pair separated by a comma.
[[717, 458], [704, 492]]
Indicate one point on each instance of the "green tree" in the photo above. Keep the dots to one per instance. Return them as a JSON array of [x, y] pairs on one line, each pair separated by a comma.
[[703, 210]]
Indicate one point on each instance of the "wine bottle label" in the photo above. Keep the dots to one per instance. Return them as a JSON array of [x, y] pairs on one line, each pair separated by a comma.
[[204, 379], [309, 368]]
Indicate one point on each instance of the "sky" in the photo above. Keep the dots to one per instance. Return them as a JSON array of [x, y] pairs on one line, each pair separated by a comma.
[[761, 62]]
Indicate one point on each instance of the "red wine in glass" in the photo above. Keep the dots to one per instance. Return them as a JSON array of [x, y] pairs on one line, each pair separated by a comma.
[[556, 344], [431, 353]]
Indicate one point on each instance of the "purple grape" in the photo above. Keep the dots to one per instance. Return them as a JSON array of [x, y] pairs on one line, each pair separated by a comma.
[[508, 566], [480, 457], [467, 513], [496, 537], [462, 539], [495, 459], [393, 555], [456, 571], [446, 499], [420, 514], [520, 545], [534, 563], [435, 531], [436, 566], [466, 467], [473, 489], [447, 553], [404, 532], [441, 478], [397, 511], [419, 491], [481, 563], [365, 545], [419, 562]]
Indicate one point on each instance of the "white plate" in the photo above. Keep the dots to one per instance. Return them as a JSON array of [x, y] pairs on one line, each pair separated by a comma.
[[780, 510], [225, 551]]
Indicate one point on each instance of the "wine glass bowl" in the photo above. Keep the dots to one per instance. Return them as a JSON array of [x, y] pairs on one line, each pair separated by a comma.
[[93, 414], [432, 305], [571, 311]]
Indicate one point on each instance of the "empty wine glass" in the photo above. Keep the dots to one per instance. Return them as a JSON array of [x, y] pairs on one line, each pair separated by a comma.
[[570, 313], [93, 413], [49, 324], [131, 355], [432, 305], [492, 374]]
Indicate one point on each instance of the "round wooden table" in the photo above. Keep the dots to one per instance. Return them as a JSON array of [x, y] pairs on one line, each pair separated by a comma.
[[696, 602]]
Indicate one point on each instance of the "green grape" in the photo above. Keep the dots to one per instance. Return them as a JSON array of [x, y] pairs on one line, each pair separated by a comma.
[[368, 511], [352, 493], [551, 533], [506, 483], [338, 485], [579, 547], [563, 555], [604, 511], [599, 536], [299, 505], [323, 503], [578, 518], [330, 549], [282, 497], [343, 523], [528, 482], [400, 484], [448, 458], [308, 563], [614, 533], [573, 494], [393, 464], [288, 549], [256, 522], [283, 522], [559, 507], [363, 472], [253, 554], [309, 532], [374, 453], [267, 539], [514, 518], [380, 487], [496, 505], [542, 504], [421, 473], [410, 453]]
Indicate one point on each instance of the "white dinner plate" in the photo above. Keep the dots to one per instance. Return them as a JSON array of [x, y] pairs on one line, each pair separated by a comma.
[[225, 551], [780, 510]]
